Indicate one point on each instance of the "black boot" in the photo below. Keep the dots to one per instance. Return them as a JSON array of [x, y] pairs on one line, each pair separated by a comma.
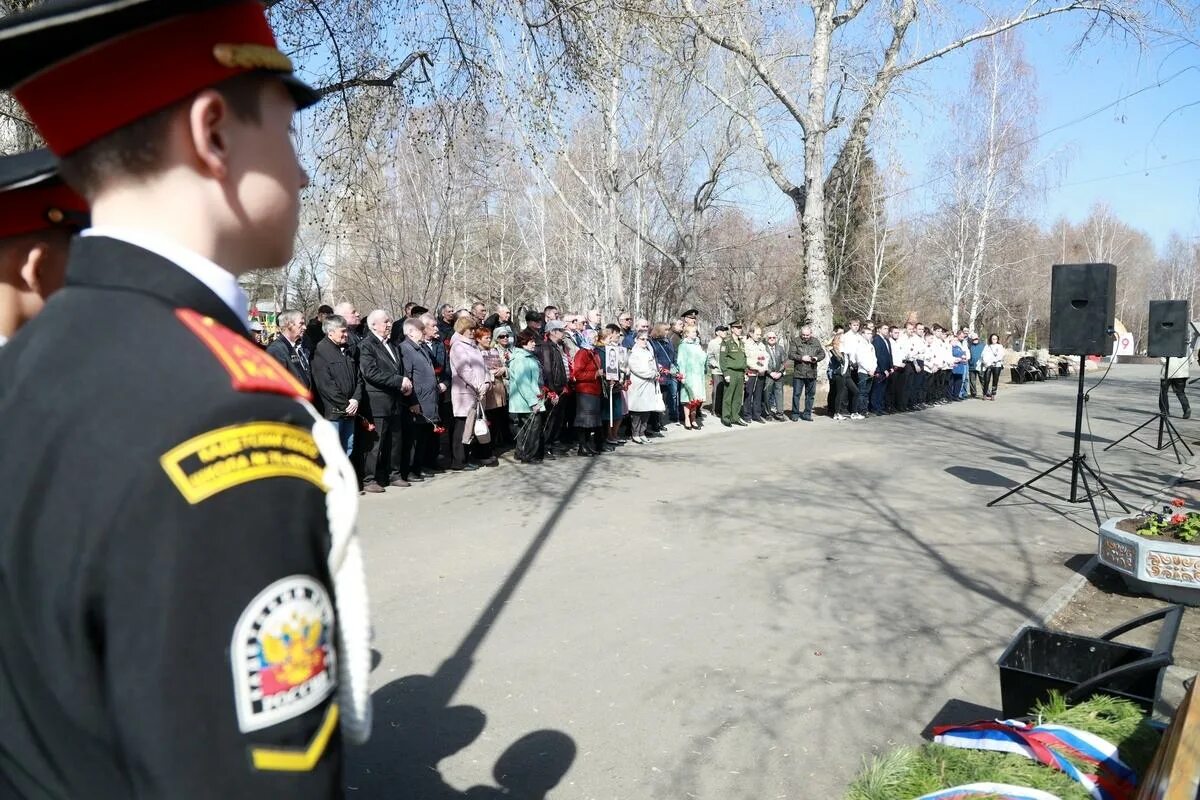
[[583, 449]]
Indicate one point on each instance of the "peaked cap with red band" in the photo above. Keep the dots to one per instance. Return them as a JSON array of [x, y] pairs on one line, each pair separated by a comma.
[[85, 68], [32, 198]]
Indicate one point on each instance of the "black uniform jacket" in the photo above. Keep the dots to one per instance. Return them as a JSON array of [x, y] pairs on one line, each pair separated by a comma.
[[165, 600], [383, 376]]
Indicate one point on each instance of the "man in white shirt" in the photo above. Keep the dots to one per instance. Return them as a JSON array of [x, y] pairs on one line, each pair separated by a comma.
[[868, 366]]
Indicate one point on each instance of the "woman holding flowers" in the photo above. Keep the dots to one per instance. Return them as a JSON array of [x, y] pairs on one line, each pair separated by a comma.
[[692, 359]]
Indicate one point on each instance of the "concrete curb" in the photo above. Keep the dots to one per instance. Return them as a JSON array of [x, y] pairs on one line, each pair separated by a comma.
[[1060, 598]]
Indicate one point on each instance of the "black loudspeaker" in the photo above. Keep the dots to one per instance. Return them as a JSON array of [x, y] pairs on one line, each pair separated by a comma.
[[1168, 329], [1083, 301]]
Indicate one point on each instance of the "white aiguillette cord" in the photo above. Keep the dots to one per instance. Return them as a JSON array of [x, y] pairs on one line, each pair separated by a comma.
[[349, 582]]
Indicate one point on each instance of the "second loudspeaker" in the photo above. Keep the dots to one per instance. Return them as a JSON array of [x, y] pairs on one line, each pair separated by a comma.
[[1168, 329]]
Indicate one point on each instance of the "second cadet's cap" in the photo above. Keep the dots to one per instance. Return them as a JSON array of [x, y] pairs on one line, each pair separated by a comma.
[[691, 312], [85, 68], [418, 311], [33, 198]]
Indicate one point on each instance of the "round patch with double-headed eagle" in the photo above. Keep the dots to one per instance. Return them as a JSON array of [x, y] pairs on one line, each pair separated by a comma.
[[284, 661]]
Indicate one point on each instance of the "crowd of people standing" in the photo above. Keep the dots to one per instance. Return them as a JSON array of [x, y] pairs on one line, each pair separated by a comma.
[[449, 390]]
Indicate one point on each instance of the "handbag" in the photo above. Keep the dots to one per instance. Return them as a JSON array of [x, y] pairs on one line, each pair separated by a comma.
[[483, 433]]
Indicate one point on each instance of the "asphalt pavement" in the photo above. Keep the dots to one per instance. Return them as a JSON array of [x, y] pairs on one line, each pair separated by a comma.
[[725, 614]]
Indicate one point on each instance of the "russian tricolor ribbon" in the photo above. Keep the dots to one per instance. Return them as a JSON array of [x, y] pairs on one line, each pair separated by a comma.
[[1003, 791], [1050, 745]]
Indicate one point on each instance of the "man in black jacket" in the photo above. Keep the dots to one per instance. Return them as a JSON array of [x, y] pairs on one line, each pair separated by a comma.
[[502, 316], [445, 322], [554, 375], [288, 348], [337, 380], [313, 333], [383, 376]]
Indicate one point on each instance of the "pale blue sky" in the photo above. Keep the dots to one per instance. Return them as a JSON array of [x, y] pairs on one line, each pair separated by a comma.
[[1141, 156]]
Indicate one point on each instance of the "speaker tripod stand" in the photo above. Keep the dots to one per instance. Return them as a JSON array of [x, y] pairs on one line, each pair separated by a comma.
[[1166, 428], [1080, 469]]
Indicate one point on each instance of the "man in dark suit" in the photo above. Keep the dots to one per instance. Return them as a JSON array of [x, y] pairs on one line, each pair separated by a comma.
[[288, 349], [337, 380], [383, 374], [880, 389], [423, 406]]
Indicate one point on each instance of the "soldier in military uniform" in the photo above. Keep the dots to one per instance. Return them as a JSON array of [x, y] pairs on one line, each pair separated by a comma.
[[182, 608], [733, 368], [38, 215]]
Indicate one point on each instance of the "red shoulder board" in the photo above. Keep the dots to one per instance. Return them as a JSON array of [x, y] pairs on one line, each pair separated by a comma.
[[251, 368]]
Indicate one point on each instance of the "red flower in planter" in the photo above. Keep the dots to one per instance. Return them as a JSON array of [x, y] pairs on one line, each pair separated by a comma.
[[1177, 502], [1178, 519]]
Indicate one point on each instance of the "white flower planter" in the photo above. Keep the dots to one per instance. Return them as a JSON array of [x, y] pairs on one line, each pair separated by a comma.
[[1164, 568]]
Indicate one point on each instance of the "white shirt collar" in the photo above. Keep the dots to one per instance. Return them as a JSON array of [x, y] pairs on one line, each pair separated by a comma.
[[222, 282], [3, 340]]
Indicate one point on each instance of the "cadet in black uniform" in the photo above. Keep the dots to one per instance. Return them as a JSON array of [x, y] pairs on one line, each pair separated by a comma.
[[182, 610], [38, 215]]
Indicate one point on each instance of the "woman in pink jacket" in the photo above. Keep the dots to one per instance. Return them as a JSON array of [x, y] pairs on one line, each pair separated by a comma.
[[470, 381]]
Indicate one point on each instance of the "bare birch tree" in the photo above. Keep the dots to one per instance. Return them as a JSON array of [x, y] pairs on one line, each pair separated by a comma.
[[812, 110]]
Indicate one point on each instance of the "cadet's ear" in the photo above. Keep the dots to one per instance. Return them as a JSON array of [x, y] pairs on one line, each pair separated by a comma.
[[208, 120], [43, 271]]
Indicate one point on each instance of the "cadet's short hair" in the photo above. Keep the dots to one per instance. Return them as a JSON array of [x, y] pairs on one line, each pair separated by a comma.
[[332, 323], [140, 148]]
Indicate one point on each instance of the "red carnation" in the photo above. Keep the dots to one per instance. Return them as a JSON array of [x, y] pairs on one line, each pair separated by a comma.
[[1177, 502], [1178, 519]]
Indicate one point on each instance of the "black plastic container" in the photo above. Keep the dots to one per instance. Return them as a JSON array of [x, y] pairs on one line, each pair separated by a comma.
[[1039, 660]]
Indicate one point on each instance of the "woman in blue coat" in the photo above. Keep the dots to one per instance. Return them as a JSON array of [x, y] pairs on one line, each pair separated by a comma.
[[526, 404]]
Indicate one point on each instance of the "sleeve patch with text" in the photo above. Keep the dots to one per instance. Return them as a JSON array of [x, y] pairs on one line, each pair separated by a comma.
[[212, 462]]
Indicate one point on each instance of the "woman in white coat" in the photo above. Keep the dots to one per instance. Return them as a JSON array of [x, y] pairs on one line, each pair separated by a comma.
[[992, 363], [644, 396]]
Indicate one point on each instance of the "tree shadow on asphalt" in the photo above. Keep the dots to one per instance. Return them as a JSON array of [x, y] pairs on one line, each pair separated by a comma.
[[760, 705], [416, 727], [922, 649]]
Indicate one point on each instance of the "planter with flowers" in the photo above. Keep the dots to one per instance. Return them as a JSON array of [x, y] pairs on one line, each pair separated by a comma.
[[1157, 553]]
